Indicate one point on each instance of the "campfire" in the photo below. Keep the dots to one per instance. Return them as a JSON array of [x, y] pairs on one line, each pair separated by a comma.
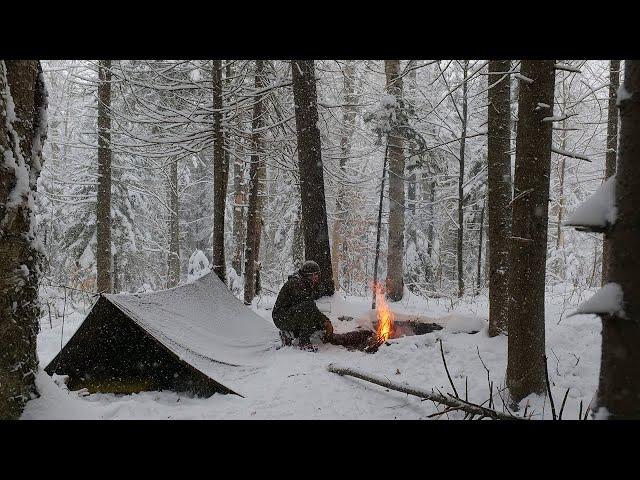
[[384, 315], [387, 325]]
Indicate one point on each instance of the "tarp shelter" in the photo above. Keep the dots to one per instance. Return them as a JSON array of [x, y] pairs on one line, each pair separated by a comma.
[[184, 339]]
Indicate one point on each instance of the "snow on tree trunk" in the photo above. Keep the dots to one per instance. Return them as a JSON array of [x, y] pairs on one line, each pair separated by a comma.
[[528, 250], [103, 205], [220, 176], [257, 176], [395, 245], [619, 387], [23, 126], [314, 210], [499, 193], [612, 150]]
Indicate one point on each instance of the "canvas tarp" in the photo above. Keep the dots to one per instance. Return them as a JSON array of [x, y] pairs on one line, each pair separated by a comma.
[[203, 324]]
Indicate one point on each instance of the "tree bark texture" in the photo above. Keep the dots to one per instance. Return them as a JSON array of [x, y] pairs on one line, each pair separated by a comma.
[[612, 150], [257, 174], [314, 210], [528, 249], [619, 387], [23, 104], [220, 175], [499, 193], [173, 260], [104, 260], [395, 245], [463, 134]]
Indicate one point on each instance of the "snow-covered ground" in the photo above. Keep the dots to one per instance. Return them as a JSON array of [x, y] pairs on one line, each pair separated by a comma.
[[295, 384]]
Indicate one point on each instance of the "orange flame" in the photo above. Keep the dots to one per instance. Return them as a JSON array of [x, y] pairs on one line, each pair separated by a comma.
[[384, 314]]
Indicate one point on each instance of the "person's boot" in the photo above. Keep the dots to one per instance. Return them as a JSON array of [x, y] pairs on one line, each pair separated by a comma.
[[305, 344], [286, 338]]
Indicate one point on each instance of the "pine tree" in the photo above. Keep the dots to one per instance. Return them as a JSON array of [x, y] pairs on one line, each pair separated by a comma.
[[395, 245], [528, 249], [23, 127], [314, 210], [612, 150], [103, 205], [220, 175], [499, 194], [256, 181]]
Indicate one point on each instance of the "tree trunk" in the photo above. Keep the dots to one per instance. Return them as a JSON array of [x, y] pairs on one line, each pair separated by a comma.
[[481, 231], [103, 206], [612, 150], [220, 175], [21, 140], [298, 239], [395, 245], [339, 248], [256, 178], [499, 193], [559, 266], [239, 204], [619, 388], [314, 210], [528, 251], [173, 260], [413, 164], [461, 182]]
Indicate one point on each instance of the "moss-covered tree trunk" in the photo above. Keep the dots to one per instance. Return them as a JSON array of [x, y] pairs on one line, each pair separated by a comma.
[[23, 104]]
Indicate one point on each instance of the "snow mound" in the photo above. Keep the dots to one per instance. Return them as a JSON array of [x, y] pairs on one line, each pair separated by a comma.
[[609, 299], [462, 323], [198, 266], [599, 210]]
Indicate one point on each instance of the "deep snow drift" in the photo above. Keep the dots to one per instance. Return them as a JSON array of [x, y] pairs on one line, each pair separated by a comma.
[[295, 384]]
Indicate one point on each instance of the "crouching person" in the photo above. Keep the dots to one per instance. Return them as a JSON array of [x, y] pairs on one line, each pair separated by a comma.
[[295, 312]]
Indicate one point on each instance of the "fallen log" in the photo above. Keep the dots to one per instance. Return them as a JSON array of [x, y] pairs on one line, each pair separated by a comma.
[[449, 401]]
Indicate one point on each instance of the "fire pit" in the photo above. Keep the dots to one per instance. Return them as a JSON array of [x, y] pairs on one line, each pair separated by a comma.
[[387, 326]]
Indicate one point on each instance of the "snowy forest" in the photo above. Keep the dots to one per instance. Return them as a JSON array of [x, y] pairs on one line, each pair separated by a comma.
[[475, 218]]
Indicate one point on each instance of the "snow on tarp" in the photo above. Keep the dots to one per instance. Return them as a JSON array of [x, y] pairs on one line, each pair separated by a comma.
[[599, 210], [202, 323]]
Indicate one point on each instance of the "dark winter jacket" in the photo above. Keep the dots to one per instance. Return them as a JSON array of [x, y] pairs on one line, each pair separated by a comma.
[[296, 292]]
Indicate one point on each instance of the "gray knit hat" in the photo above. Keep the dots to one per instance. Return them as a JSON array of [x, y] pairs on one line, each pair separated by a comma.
[[309, 267]]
